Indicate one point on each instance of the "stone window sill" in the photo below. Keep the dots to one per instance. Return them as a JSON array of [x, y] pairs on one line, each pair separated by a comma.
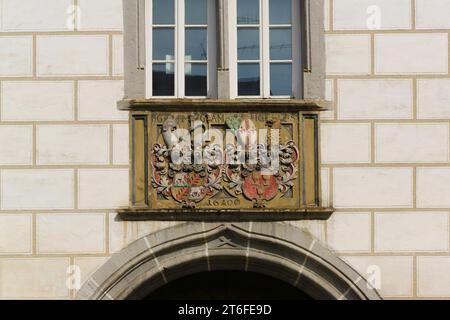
[[212, 105]]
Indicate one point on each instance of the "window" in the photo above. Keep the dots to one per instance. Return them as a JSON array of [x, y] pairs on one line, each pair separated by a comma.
[[180, 48], [265, 48], [238, 48]]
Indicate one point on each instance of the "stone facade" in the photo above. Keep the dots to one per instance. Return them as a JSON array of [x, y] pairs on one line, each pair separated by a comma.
[[64, 145], [385, 147]]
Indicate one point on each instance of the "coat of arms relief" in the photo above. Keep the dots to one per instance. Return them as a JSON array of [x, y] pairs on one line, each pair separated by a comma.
[[226, 161]]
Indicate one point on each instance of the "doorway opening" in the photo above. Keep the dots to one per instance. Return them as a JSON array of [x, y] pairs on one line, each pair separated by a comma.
[[228, 285]]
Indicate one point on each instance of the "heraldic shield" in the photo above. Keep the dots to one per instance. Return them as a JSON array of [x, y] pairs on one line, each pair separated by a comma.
[[249, 161]]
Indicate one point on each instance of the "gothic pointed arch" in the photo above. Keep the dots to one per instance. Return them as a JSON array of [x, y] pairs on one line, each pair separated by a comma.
[[277, 250]]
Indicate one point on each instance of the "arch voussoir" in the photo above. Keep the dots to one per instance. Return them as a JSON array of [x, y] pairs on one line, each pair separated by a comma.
[[278, 250]]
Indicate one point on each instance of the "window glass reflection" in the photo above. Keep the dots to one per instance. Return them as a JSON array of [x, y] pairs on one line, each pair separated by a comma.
[[248, 11], [196, 12], [163, 11], [196, 79], [248, 43], [248, 79], [163, 44], [280, 12], [196, 44], [280, 79], [280, 44], [163, 79]]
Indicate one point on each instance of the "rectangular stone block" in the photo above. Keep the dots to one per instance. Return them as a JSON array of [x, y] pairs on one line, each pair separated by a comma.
[[103, 188], [100, 15], [325, 186], [408, 54], [37, 100], [433, 187], [120, 145], [433, 96], [117, 234], [375, 99], [37, 278], [117, 44], [16, 233], [412, 142], [373, 187], [82, 233], [98, 100], [371, 14], [88, 265], [315, 228], [32, 15], [37, 189], [349, 232], [394, 274], [348, 54], [432, 14], [16, 56], [72, 55], [326, 20], [141, 229], [411, 232], [346, 143], [329, 96], [72, 144], [16, 145], [433, 278]]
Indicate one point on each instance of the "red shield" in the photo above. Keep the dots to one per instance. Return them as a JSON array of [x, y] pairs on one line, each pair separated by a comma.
[[260, 187]]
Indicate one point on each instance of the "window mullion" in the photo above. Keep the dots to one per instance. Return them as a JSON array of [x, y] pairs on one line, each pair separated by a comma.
[[297, 69], [265, 52], [180, 50], [211, 86], [232, 48], [148, 49]]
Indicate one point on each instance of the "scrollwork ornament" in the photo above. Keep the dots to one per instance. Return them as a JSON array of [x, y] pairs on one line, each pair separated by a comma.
[[190, 184]]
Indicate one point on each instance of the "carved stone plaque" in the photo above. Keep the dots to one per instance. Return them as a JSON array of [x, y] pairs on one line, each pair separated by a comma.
[[217, 173], [224, 161]]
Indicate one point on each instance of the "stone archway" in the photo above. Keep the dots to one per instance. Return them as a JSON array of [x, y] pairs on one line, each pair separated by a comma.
[[278, 250]]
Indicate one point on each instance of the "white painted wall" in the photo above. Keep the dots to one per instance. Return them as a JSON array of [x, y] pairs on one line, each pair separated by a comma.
[[385, 146]]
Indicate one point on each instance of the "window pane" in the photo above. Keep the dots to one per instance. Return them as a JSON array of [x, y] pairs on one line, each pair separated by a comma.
[[163, 79], [196, 79], [248, 43], [196, 44], [280, 79], [163, 44], [280, 44], [163, 12], [196, 12], [248, 79], [248, 11], [280, 11]]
